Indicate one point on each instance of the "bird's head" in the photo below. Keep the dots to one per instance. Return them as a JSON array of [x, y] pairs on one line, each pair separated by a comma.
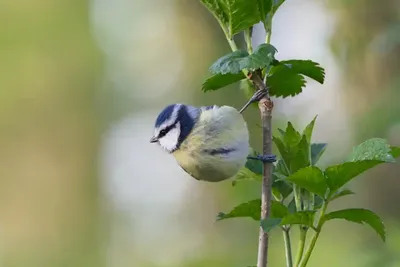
[[173, 125]]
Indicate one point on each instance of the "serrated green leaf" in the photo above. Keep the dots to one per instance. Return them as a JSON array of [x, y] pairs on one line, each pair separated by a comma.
[[361, 216], [239, 60], [219, 81], [242, 14], [342, 193], [232, 63], [372, 149], [339, 175], [301, 157], [262, 57], [395, 151], [308, 68], [292, 137], [310, 178], [365, 156], [215, 7], [294, 149], [245, 174], [270, 223], [300, 217], [284, 82], [282, 132], [250, 209], [317, 149], [309, 130]]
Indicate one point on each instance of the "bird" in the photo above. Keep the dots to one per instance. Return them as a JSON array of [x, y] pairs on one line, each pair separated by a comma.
[[210, 143]]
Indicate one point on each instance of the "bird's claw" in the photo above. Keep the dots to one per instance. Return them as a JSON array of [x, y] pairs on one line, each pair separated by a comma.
[[265, 158], [258, 95]]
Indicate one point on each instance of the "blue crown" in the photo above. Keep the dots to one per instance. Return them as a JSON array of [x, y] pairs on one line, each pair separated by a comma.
[[186, 115]]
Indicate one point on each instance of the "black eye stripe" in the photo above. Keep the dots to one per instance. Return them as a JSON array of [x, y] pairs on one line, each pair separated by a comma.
[[164, 131]]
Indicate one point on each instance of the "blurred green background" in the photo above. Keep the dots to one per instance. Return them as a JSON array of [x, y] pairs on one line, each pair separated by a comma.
[[81, 83]]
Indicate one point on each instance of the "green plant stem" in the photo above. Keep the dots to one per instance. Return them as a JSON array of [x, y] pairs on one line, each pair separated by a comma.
[[311, 246], [288, 247], [302, 243], [247, 37], [297, 197]]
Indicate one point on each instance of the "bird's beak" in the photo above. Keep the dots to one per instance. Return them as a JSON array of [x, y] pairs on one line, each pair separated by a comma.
[[153, 139]]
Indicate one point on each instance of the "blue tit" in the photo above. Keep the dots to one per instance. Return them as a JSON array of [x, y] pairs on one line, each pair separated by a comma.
[[209, 143]]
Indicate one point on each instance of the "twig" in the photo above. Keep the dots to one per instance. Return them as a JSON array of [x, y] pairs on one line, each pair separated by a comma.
[[265, 105]]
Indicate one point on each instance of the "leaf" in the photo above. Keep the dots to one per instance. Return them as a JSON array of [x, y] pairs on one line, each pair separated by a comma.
[[284, 82], [311, 178], [365, 156], [242, 14], [232, 63], [395, 151], [282, 132], [309, 130], [215, 7], [318, 202], [283, 188], [278, 210], [218, 81], [300, 217], [264, 7], [308, 68], [245, 174], [342, 193], [262, 57], [281, 168], [301, 158], [341, 174], [270, 223], [317, 149], [294, 149], [292, 137], [239, 60], [250, 209], [372, 149], [361, 216]]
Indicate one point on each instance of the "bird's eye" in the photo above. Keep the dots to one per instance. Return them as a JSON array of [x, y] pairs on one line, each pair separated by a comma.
[[162, 132]]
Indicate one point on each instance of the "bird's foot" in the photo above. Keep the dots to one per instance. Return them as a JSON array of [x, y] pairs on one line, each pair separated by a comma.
[[264, 158], [258, 95]]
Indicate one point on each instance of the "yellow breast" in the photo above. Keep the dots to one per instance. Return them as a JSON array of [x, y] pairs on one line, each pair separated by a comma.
[[217, 147]]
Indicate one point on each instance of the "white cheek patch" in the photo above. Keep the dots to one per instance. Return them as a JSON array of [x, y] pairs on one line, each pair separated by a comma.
[[170, 141]]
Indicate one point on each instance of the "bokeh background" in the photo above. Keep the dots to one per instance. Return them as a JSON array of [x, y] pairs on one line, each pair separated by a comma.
[[81, 83]]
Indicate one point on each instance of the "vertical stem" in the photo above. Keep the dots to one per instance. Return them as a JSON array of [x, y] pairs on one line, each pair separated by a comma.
[[288, 248], [311, 246], [247, 37], [302, 242], [265, 106], [297, 197]]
